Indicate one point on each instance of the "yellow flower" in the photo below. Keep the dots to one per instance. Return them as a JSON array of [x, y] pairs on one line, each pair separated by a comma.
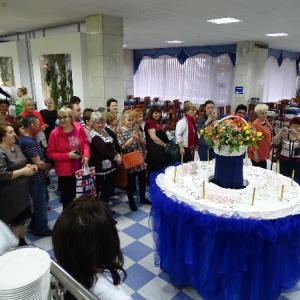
[[245, 127], [241, 142], [248, 131], [247, 138], [259, 134], [201, 131], [253, 139]]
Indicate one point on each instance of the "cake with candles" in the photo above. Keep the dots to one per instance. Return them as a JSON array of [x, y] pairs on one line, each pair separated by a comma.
[[266, 195]]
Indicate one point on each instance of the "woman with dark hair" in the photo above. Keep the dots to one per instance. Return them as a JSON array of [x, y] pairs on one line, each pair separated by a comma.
[[4, 115], [289, 157], [207, 120], [112, 105], [86, 244], [156, 140], [14, 185]]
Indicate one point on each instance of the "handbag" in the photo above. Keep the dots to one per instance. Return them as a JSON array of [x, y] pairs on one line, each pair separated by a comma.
[[132, 159], [120, 177], [85, 181], [172, 150]]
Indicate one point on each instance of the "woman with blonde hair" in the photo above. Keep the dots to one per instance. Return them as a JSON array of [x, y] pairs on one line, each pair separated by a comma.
[[259, 156], [21, 93], [69, 148], [129, 141]]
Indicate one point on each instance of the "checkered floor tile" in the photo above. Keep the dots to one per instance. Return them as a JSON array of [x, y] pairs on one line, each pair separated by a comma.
[[144, 281]]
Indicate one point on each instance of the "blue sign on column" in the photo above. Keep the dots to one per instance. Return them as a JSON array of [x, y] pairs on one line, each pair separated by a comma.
[[239, 90]]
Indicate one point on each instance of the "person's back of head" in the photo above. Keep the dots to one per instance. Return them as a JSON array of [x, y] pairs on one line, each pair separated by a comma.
[[86, 115], [75, 100], [85, 239]]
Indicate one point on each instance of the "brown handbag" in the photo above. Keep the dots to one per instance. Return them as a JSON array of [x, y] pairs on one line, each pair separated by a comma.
[[120, 176], [132, 159]]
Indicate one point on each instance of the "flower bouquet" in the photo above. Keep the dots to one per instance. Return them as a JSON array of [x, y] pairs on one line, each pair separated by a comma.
[[231, 133]]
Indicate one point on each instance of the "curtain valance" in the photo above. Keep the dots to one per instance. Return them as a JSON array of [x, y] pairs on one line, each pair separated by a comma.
[[280, 55], [183, 53]]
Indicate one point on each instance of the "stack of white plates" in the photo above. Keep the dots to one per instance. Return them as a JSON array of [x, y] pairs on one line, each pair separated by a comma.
[[25, 274]]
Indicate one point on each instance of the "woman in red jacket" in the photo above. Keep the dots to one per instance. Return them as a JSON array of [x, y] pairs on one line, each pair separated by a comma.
[[69, 148], [259, 156]]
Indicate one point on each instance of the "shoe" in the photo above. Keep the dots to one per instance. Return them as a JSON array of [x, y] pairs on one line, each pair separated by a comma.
[[133, 206], [47, 232], [22, 242], [146, 201]]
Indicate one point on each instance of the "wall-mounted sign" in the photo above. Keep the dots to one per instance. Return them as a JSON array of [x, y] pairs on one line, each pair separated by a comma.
[[239, 90]]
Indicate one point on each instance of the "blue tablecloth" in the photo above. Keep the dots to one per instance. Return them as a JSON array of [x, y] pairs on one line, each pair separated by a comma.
[[293, 111], [225, 258]]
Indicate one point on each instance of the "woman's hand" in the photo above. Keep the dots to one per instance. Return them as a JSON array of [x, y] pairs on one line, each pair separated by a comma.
[[118, 159], [182, 151], [256, 157], [211, 118], [135, 135], [73, 155], [28, 170], [85, 160]]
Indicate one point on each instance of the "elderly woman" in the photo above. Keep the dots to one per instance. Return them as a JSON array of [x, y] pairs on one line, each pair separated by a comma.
[[4, 115], [104, 156], [289, 139], [86, 244], [131, 140], [14, 185], [186, 133], [259, 156], [156, 140], [69, 148], [49, 116]]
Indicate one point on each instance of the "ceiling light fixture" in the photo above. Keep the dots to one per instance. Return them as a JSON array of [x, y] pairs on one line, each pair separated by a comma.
[[277, 34], [174, 42], [224, 21], [124, 45]]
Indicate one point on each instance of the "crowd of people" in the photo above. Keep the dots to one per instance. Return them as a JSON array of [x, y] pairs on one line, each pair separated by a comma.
[[34, 142]]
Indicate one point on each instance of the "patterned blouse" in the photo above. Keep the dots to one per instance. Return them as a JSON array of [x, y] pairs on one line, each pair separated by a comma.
[[123, 136]]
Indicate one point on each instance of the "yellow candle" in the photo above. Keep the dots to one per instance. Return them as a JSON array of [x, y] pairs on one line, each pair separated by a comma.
[[203, 191], [277, 166], [246, 159], [207, 155], [281, 194], [293, 175], [253, 195], [175, 172], [181, 158]]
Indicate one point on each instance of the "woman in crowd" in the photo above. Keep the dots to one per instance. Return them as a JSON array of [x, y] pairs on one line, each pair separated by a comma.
[[69, 148], [49, 116], [14, 185], [130, 140], [86, 115], [156, 140], [259, 156], [111, 128], [207, 119], [138, 116], [289, 139], [112, 105], [4, 115], [104, 156], [86, 244], [241, 111], [21, 93], [186, 133]]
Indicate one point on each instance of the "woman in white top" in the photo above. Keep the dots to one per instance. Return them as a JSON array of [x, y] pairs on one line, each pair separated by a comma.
[[86, 244], [186, 133]]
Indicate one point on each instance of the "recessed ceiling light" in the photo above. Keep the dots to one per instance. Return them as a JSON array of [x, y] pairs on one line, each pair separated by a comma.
[[124, 45], [174, 42], [277, 34], [224, 21]]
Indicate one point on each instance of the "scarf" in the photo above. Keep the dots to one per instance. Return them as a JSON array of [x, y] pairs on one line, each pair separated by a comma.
[[192, 132]]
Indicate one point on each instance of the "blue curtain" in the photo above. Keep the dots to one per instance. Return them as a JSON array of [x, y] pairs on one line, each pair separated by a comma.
[[183, 53]]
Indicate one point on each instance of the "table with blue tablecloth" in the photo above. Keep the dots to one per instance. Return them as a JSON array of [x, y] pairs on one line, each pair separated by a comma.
[[224, 258], [292, 112]]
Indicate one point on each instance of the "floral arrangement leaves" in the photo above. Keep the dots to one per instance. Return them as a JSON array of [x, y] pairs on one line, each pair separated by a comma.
[[233, 132]]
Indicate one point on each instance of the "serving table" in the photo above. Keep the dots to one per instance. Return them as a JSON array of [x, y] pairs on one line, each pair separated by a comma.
[[224, 257]]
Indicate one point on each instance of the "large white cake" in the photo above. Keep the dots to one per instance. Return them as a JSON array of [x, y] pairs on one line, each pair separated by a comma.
[[188, 188]]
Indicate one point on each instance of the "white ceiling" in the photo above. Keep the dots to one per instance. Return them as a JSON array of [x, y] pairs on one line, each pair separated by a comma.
[[149, 23]]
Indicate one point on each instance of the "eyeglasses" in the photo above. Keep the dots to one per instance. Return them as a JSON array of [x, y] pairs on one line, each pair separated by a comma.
[[63, 118]]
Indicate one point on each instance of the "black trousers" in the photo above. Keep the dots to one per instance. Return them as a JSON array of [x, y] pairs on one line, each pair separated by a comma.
[[104, 186], [187, 157], [141, 175], [261, 164], [67, 189]]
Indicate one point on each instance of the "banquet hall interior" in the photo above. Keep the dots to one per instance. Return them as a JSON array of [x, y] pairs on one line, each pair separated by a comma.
[[145, 52]]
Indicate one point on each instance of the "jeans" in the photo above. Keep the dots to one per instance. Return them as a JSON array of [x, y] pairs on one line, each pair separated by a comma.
[[39, 195], [104, 186], [202, 151], [141, 175]]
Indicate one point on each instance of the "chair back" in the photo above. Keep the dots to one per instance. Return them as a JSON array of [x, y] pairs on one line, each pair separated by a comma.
[[252, 116]]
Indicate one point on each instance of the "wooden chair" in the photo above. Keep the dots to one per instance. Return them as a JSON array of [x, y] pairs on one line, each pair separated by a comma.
[[271, 105], [166, 106], [252, 116], [147, 100], [176, 104], [285, 102], [281, 107], [178, 114], [170, 121], [137, 100], [129, 97], [155, 100], [220, 111], [251, 107], [276, 149], [228, 109]]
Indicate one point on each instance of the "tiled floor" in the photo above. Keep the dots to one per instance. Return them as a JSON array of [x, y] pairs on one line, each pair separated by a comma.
[[145, 281]]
